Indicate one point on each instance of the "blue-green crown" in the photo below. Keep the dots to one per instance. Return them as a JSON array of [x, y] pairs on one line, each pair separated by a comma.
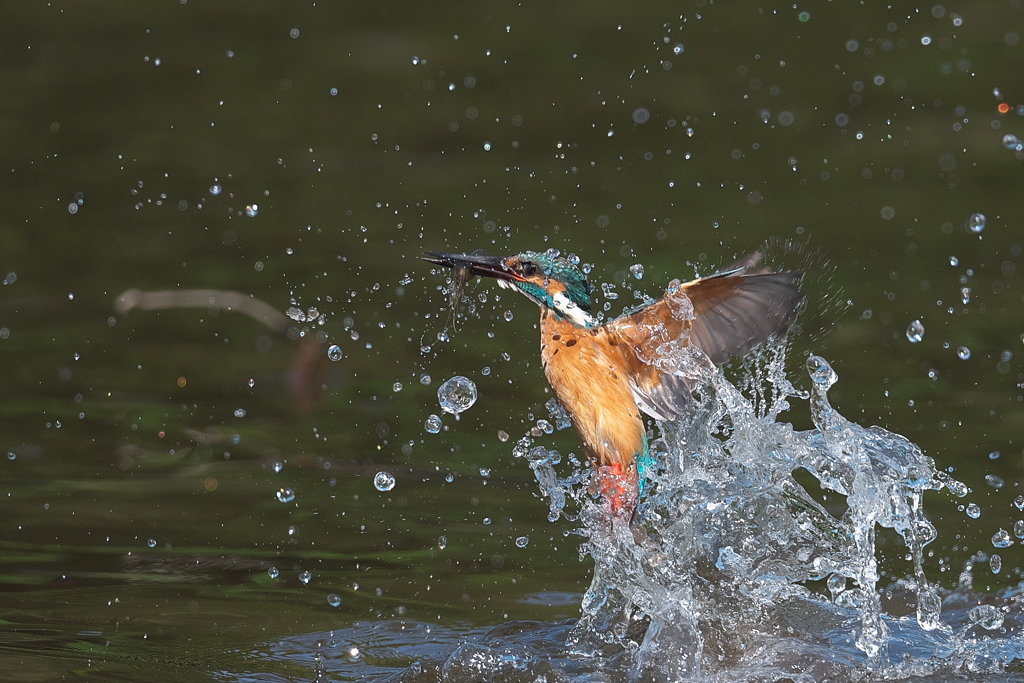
[[558, 269]]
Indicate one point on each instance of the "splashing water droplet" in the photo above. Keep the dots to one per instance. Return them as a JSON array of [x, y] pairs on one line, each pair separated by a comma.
[[432, 424], [963, 352], [333, 599], [954, 261], [986, 616], [151, 543], [240, 412], [976, 223], [252, 210], [305, 576], [821, 372], [1001, 539], [383, 481], [523, 541], [277, 466], [425, 379], [442, 542], [273, 572], [994, 481], [215, 189], [285, 495], [973, 510], [335, 353], [457, 395], [637, 270], [396, 387], [915, 332], [995, 563], [965, 295]]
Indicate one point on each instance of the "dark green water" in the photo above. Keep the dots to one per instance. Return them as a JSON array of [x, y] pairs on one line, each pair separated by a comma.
[[139, 513]]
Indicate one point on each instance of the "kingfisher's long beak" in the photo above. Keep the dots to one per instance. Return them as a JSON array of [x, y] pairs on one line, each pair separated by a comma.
[[477, 263]]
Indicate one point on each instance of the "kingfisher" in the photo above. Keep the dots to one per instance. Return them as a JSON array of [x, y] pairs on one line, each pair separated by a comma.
[[607, 375]]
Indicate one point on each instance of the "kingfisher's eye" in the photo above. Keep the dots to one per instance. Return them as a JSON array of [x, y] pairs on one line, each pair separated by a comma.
[[530, 268]]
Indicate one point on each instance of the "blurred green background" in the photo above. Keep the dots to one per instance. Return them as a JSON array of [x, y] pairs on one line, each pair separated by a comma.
[[306, 154]]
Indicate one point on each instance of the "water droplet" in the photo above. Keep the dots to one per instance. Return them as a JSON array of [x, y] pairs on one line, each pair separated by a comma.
[[425, 379], [449, 477], [457, 395], [442, 542], [976, 223], [508, 316], [973, 510], [963, 352], [994, 455], [821, 372], [485, 472], [305, 576], [1019, 502], [277, 466], [383, 481], [678, 49], [11, 455], [252, 383], [965, 295], [151, 543], [273, 572], [915, 331], [487, 520], [333, 599], [485, 371], [502, 435], [285, 495], [1012, 142], [252, 210], [73, 208], [1018, 528], [296, 314], [396, 387], [293, 531], [334, 353], [432, 424], [994, 481], [1001, 539], [215, 189], [523, 541], [637, 270], [240, 412]]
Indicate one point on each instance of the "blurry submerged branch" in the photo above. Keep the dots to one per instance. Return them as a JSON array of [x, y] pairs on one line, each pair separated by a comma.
[[203, 298], [305, 376]]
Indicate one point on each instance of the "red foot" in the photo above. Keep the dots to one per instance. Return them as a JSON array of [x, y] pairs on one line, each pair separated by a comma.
[[620, 487]]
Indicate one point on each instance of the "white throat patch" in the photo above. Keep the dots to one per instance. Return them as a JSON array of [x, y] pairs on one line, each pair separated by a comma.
[[568, 308]]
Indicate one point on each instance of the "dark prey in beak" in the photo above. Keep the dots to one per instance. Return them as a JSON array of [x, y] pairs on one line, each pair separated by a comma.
[[465, 265]]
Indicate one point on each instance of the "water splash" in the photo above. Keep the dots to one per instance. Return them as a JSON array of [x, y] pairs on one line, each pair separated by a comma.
[[733, 570]]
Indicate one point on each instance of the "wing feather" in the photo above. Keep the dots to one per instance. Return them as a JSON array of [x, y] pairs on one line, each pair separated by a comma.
[[725, 314]]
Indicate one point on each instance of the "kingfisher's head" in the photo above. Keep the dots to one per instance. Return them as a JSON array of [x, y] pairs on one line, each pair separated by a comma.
[[551, 281]]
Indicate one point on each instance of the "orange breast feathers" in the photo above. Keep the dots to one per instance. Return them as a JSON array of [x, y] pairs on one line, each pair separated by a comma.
[[587, 369]]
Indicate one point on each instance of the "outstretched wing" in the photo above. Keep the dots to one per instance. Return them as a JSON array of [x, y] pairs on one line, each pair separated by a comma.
[[722, 315]]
